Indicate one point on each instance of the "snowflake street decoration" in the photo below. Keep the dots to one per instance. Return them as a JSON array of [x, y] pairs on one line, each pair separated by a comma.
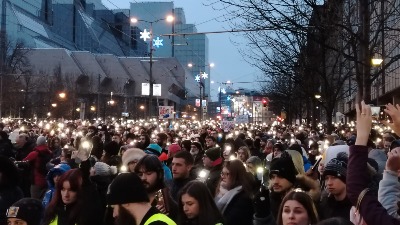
[[197, 78], [204, 75], [223, 91], [145, 35], [158, 42], [228, 98]]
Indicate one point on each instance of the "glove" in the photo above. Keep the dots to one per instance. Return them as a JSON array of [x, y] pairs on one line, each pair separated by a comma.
[[261, 203]]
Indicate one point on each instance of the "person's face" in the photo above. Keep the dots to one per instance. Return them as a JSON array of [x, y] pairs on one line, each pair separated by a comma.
[[142, 139], [131, 165], [122, 216], [225, 177], [179, 168], [20, 141], [194, 150], [210, 142], [190, 205], [262, 143], [207, 162], [214, 134], [16, 221], [241, 155], [159, 141], [56, 143], [149, 179], [334, 185], [279, 184], [68, 196], [294, 213], [55, 179], [277, 152], [251, 168], [116, 139]]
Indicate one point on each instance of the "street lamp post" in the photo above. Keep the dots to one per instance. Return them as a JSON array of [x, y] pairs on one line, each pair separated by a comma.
[[149, 35], [376, 62], [199, 78]]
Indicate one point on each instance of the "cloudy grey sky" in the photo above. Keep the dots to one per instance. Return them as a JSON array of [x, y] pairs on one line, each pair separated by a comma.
[[223, 48]]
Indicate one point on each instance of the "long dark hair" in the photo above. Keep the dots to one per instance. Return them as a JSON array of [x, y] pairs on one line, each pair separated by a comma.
[[305, 200], [239, 176], [208, 211], [152, 163], [74, 177]]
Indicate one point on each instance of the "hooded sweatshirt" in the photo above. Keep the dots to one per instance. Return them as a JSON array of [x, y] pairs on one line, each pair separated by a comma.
[[56, 171]]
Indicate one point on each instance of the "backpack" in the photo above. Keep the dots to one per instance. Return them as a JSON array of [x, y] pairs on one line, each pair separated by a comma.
[[44, 158]]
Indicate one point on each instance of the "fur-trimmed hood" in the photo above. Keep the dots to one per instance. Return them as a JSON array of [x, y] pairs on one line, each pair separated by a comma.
[[132, 154]]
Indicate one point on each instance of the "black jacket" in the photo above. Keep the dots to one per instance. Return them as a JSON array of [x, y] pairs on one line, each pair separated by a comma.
[[239, 210], [213, 178], [329, 207]]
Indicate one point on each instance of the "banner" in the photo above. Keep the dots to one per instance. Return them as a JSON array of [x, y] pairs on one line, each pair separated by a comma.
[[156, 89], [242, 119], [145, 88], [227, 125], [165, 112], [197, 102]]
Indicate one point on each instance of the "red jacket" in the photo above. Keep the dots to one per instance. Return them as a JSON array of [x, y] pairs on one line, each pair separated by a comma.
[[39, 179], [357, 180]]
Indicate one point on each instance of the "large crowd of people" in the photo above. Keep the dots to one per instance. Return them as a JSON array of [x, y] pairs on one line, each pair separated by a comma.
[[151, 172]]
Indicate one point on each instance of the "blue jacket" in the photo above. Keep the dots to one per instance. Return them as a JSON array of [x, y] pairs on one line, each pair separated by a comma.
[[56, 171]]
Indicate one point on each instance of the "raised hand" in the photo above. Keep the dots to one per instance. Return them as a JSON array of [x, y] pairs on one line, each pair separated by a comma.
[[393, 162], [364, 123], [394, 113]]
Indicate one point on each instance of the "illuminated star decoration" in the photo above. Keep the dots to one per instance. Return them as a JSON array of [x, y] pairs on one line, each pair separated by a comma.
[[228, 98], [197, 78], [204, 75], [145, 35], [158, 42]]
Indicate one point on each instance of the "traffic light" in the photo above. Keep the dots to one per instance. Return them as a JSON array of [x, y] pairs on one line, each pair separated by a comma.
[[265, 102]]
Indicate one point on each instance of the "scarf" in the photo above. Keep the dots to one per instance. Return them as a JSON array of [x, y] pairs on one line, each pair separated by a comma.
[[224, 201]]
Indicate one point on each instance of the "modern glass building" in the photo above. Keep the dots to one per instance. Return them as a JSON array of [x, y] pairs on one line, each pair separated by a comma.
[[96, 51]]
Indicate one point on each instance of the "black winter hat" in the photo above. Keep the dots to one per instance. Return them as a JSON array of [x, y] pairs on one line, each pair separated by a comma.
[[126, 188], [337, 167], [28, 209], [284, 168], [213, 153]]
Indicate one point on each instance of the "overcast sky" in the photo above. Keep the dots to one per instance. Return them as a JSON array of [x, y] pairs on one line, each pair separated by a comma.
[[229, 63]]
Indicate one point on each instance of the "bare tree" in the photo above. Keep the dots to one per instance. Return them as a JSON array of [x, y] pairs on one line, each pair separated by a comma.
[[346, 40]]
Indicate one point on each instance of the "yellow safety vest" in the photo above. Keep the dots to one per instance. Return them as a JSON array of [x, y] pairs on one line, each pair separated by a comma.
[[159, 217], [55, 221]]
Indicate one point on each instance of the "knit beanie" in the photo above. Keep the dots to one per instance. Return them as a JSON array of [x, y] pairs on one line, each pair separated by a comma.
[[337, 167], [28, 209], [213, 153], [198, 145], [126, 188], [153, 149], [132, 154], [102, 169], [255, 160], [174, 148], [41, 140], [284, 168]]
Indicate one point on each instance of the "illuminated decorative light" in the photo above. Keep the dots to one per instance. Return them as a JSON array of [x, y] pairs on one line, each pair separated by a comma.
[[145, 35], [158, 42]]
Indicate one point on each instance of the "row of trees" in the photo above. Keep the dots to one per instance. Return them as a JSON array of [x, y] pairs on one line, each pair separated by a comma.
[[309, 47]]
